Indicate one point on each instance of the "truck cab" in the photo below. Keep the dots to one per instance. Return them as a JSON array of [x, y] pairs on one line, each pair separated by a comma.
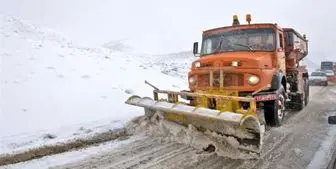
[[252, 60]]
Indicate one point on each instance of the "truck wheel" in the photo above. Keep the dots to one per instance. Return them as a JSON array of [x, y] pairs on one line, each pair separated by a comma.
[[275, 110], [307, 92], [300, 101], [326, 83]]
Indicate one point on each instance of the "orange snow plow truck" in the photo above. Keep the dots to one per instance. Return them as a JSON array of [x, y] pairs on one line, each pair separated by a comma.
[[246, 77]]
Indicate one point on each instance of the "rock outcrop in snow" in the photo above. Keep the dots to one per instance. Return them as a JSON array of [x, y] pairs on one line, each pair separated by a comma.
[[117, 46]]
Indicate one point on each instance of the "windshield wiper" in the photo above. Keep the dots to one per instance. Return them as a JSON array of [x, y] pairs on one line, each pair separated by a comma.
[[247, 46], [219, 45], [218, 48]]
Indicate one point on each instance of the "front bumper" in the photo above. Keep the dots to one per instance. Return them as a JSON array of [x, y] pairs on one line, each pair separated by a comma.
[[332, 78], [317, 82]]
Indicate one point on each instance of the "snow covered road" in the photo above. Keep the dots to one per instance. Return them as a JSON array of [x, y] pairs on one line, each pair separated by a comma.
[[292, 145]]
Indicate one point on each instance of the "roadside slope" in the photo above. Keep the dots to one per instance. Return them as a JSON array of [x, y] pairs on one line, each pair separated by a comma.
[[54, 90]]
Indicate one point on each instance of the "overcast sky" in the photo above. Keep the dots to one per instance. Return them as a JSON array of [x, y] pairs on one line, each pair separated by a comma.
[[160, 26]]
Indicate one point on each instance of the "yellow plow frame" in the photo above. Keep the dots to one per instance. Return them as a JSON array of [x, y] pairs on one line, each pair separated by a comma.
[[226, 119]]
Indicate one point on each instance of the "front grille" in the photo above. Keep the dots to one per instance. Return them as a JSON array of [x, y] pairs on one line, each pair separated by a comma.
[[216, 79], [233, 80], [203, 80], [228, 79]]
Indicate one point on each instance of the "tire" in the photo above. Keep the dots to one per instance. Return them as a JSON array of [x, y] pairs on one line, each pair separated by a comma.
[[326, 83], [302, 100], [307, 92], [275, 110]]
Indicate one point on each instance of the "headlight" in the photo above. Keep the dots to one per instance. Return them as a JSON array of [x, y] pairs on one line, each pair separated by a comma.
[[253, 80], [197, 64], [192, 80]]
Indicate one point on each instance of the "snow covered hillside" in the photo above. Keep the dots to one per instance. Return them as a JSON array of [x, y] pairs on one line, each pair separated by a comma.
[[51, 86], [173, 64]]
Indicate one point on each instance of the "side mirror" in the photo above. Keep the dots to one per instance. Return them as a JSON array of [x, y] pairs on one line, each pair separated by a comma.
[[332, 119], [195, 48]]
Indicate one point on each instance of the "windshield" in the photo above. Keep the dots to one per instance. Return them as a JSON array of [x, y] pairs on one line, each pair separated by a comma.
[[318, 74], [240, 40]]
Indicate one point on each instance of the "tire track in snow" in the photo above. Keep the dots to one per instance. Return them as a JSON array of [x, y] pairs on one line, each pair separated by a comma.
[[297, 133], [299, 130]]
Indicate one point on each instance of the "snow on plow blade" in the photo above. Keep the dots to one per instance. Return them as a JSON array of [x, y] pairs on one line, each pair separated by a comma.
[[245, 127]]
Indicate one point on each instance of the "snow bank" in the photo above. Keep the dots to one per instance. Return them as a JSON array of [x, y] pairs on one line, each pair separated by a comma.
[[204, 141], [51, 86], [71, 156]]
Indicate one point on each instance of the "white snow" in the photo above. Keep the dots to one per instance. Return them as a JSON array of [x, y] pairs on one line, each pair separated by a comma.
[[51, 86], [71, 156]]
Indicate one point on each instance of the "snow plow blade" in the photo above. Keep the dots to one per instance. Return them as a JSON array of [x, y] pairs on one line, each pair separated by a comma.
[[245, 126]]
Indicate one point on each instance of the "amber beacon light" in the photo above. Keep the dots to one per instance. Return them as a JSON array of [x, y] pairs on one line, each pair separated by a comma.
[[235, 20], [248, 18]]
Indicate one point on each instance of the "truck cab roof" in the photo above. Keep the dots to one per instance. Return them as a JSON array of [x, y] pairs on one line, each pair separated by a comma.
[[243, 26]]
